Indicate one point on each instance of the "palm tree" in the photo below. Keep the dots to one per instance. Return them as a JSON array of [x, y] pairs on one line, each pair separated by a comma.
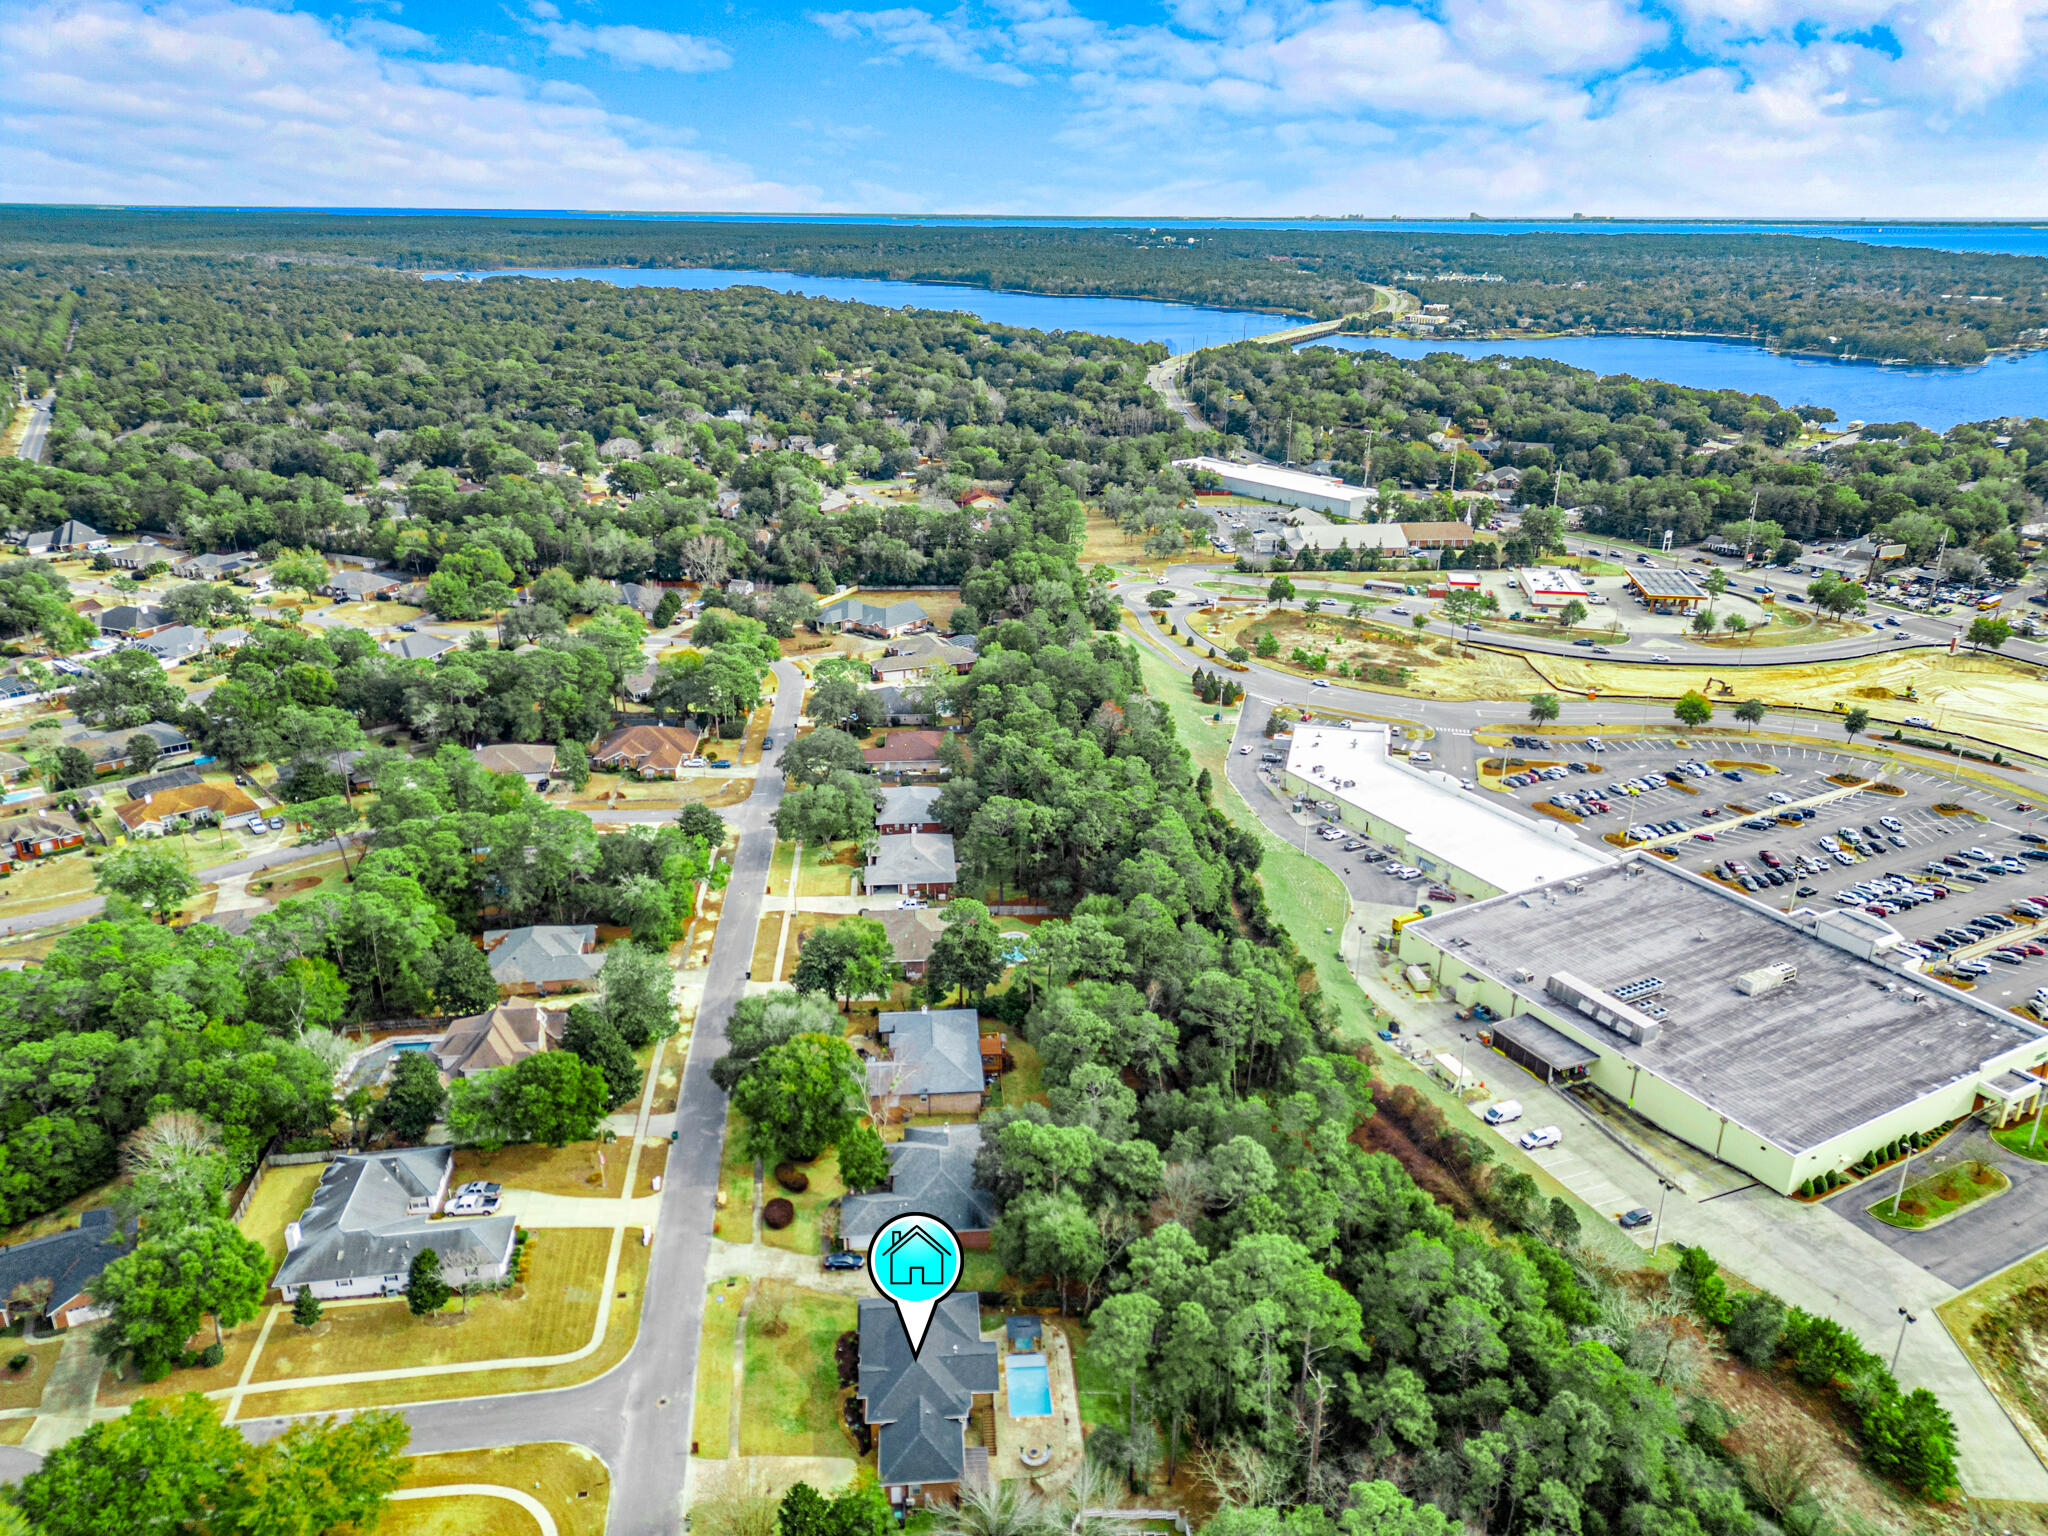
[[1002, 1509]]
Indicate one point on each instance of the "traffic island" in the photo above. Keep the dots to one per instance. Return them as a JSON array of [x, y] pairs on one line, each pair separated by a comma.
[[1941, 1196]]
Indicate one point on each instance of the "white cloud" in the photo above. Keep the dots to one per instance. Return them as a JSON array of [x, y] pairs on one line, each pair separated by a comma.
[[906, 33], [108, 100], [628, 47]]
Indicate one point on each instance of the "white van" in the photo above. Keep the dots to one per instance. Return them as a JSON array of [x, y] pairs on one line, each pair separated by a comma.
[[1503, 1112]]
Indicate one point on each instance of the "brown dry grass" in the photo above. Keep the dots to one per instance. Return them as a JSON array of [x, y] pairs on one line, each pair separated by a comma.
[[570, 1170], [24, 1389], [575, 1487]]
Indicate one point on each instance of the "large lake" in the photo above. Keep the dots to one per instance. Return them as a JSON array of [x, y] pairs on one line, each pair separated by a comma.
[[1934, 397]]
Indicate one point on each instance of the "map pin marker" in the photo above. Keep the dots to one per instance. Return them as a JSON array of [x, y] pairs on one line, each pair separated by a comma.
[[915, 1263]]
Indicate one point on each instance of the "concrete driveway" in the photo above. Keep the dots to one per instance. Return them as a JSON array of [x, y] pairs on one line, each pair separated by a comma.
[[1990, 1236]]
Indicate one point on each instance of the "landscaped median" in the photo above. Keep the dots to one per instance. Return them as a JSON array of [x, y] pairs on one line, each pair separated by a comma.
[[488, 1492], [1933, 1198]]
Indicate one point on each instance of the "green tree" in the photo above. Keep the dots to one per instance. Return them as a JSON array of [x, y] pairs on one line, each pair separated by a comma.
[[1836, 596], [765, 1020], [1692, 708], [1735, 624], [841, 808], [1716, 583], [328, 817], [159, 1293], [415, 1099], [299, 570], [1988, 630], [591, 1035], [554, 1097], [666, 610], [1703, 622], [968, 954], [143, 752], [1120, 1340], [800, 1097], [306, 1307], [639, 995], [1268, 645], [318, 1477], [572, 764], [1049, 1233], [156, 881], [1279, 590], [1855, 722], [815, 758], [425, 1291], [70, 768], [1572, 614], [463, 983], [165, 1465], [1543, 708], [863, 1158], [1161, 598], [1751, 711], [124, 690], [847, 960]]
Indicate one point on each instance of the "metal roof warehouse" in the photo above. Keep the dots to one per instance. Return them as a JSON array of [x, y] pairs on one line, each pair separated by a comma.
[[1458, 836], [1787, 1045]]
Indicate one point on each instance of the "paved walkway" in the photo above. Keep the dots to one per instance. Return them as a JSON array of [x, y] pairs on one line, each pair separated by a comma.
[[525, 1501], [69, 1396], [538, 1210]]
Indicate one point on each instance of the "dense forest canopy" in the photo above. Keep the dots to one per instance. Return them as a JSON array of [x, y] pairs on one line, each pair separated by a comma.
[[1636, 456], [1797, 292]]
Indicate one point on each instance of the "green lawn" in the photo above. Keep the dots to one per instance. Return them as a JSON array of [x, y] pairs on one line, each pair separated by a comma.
[[712, 1421], [1023, 1083], [1928, 1200], [1105, 1403], [829, 871], [789, 1405], [736, 1181], [807, 1233], [979, 1270], [2026, 1138]]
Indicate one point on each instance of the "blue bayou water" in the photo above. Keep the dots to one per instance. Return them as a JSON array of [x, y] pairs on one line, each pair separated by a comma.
[[2012, 239], [1934, 397]]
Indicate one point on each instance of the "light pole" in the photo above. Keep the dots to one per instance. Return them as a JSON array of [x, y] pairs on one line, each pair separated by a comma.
[[1657, 1232], [1906, 1320]]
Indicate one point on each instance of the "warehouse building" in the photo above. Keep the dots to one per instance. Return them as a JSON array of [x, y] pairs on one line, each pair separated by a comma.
[[1787, 1045], [1288, 487], [1458, 837]]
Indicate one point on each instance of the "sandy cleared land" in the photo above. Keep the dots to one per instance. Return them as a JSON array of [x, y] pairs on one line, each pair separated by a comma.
[[1987, 696]]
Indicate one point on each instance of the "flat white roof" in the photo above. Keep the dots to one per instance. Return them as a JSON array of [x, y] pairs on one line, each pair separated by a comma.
[[1458, 827], [1550, 581], [1295, 482]]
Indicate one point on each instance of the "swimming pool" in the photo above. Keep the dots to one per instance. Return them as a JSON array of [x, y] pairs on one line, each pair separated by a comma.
[[1030, 1387], [413, 1045]]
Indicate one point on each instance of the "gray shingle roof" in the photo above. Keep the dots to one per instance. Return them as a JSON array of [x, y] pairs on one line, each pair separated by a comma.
[[358, 1228], [69, 1260], [908, 806], [544, 954], [933, 1173], [913, 858], [928, 1053], [919, 1404]]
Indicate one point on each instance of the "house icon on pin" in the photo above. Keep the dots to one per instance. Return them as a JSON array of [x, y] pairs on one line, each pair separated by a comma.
[[911, 1266]]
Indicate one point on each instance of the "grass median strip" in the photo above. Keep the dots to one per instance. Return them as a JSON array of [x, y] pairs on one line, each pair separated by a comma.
[[711, 1421]]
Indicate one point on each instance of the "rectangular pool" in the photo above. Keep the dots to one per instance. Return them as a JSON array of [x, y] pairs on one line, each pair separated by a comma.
[[1030, 1387]]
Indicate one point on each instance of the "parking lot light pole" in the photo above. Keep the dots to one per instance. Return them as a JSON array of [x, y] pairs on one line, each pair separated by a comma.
[[1906, 1320], [1657, 1234], [1900, 1194]]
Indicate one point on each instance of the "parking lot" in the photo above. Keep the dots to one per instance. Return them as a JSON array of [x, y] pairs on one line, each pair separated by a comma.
[[1708, 818], [1236, 522]]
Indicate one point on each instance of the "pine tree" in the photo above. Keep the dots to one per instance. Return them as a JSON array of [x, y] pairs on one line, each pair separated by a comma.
[[425, 1291], [306, 1307]]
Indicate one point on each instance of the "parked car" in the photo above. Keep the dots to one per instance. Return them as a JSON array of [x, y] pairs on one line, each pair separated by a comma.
[[1641, 1216], [1505, 1111], [845, 1258], [1537, 1140]]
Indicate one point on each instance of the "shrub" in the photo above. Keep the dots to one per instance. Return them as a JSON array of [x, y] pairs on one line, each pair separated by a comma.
[[1756, 1322], [777, 1214], [17, 1364], [212, 1356], [792, 1178]]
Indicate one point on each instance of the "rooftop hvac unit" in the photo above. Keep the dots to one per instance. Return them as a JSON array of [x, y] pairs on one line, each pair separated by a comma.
[[1523, 978], [1766, 978], [1602, 1007]]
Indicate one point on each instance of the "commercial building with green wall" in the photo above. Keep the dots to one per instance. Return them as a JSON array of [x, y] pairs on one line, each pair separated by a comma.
[[1785, 1044]]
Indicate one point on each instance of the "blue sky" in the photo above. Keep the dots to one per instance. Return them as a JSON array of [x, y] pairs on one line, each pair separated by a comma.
[[1765, 107]]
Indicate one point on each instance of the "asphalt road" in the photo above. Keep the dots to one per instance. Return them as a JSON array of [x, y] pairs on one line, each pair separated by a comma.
[[637, 1415], [37, 434]]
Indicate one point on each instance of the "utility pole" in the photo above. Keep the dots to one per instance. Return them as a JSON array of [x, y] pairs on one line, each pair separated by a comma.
[[1657, 1234], [1749, 537], [1906, 1320]]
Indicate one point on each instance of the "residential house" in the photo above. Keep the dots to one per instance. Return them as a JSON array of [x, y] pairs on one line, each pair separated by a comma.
[[13, 767], [109, 749], [543, 959], [363, 585], [132, 621], [197, 804], [214, 567], [179, 643], [912, 864], [922, 1404], [912, 934], [419, 647], [915, 656], [372, 1215], [739, 586], [906, 752], [67, 538], [159, 783], [643, 598], [931, 1171], [531, 760], [652, 751], [885, 621], [141, 555], [507, 1033], [909, 808], [47, 1277], [232, 638], [932, 1065], [34, 836], [901, 706]]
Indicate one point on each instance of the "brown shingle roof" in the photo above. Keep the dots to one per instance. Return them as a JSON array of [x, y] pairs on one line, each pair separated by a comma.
[[224, 800], [661, 747]]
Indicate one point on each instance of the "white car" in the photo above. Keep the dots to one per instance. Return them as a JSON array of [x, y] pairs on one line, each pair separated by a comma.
[[472, 1205], [1244, 751], [910, 903], [1779, 797], [1503, 1112], [1891, 823], [1541, 1137], [1420, 757], [1317, 682], [1660, 657], [696, 762]]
